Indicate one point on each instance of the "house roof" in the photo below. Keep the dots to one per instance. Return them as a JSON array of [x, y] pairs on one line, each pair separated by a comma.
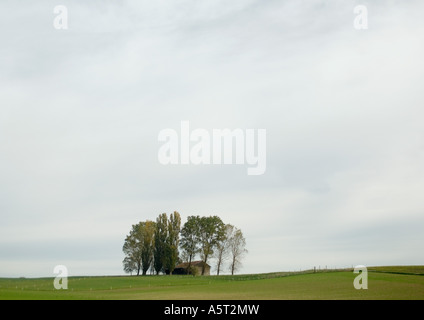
[[193, 263]]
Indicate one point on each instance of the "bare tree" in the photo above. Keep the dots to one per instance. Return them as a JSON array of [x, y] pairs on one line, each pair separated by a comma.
[[237, 247], [222, 247]]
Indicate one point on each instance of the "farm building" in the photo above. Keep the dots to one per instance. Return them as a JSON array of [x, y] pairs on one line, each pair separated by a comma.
[[196, 265]]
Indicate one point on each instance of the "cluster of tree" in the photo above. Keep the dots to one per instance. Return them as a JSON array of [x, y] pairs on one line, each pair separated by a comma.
[[156, 245], [153, 245]]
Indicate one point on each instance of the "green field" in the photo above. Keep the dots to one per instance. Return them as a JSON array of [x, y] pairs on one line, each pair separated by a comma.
[[383, 283]]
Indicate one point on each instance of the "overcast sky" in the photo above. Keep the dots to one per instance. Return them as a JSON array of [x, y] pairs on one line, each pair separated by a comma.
[[81, 110]]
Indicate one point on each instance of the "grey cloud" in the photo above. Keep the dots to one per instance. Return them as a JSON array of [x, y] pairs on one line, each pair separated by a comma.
[[80, 111]]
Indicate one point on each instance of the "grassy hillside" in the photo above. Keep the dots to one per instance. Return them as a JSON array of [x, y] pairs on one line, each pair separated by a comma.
[[383, 283]]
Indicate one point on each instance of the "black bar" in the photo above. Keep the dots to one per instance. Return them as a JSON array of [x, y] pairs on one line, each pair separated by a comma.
[[211, 309]]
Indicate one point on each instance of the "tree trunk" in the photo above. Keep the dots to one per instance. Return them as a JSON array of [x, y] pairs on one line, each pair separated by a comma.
[[219, 264], [204, 265], [189, 264]]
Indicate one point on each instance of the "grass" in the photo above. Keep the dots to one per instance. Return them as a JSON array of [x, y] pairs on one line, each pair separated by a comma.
[[391, 282]]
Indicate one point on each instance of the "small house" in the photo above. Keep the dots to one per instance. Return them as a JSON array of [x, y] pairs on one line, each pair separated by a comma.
[[196, 268]]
